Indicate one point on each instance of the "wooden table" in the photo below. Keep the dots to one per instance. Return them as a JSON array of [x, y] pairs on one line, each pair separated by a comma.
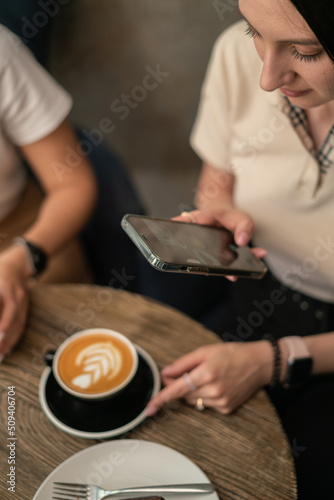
[[246, 455]]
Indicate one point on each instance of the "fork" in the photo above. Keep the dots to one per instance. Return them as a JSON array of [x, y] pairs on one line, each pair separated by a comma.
[[75, 491]]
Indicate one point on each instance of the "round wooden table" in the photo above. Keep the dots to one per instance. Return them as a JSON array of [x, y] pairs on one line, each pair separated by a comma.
[[246, 454]]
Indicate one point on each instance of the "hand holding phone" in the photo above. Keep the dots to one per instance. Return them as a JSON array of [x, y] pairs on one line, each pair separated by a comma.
[[177, 246]]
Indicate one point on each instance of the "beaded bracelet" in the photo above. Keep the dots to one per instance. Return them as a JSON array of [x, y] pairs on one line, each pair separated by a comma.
[[275, 381]]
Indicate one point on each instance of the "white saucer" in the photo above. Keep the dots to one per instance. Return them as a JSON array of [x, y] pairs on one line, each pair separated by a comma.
[[101, 419], [127, 462]]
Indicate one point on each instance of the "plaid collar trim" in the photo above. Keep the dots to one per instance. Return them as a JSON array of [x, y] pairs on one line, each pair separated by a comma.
[[298, 118]]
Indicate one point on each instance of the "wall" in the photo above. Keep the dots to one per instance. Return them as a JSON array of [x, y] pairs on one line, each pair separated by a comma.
[[104, 51]]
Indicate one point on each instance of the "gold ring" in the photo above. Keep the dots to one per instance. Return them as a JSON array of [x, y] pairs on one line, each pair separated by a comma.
[[190, 215], [199, 404]]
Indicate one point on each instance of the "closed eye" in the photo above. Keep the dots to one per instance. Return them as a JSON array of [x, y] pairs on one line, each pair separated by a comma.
[[251, 32], [305, 57]]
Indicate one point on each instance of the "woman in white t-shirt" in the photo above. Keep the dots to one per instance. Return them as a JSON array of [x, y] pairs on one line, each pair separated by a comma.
[[38, 223], [265, 133]]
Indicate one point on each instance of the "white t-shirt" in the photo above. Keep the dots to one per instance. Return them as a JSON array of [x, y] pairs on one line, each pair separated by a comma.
[[243, 129], [32, 105]]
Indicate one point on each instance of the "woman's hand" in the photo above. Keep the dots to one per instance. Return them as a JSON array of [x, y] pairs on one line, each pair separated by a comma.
[[70, 195], [224, 375], [235, 220], [14, 273]]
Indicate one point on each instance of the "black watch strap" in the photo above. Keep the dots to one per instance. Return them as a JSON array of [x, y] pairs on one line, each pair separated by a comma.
[[38, 258]]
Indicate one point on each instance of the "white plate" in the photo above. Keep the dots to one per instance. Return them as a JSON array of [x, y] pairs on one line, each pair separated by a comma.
[[127, 462], [127, 409]]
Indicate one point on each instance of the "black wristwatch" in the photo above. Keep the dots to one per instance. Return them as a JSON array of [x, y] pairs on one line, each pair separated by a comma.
[[300, 362], [37, 257]]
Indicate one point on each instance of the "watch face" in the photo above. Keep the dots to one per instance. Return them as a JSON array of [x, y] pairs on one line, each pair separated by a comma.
[[299, 370]]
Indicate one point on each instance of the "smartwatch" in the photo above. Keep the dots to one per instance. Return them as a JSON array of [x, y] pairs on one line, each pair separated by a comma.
[[37, 257], [299, 367]]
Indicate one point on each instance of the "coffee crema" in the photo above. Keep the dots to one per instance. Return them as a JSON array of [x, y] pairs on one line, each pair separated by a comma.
[[95, 363]]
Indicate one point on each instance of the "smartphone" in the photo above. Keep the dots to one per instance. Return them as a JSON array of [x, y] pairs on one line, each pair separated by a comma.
[[184, 247]]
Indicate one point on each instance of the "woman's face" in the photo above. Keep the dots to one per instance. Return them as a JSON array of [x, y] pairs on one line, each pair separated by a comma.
[[293, 59]]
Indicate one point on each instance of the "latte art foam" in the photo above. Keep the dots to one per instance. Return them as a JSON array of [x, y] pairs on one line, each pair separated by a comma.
[[95, 363]]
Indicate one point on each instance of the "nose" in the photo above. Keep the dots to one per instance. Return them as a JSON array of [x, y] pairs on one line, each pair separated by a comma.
[[276, 72]]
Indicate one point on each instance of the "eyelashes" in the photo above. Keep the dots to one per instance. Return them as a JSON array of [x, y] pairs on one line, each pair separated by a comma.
[[249, 31], [304, 57]]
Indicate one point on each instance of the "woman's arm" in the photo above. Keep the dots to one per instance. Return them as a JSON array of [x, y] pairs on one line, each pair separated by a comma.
[[214, 199], [214, 189], [321, 347], [225, 375], [68, 203], [70, 190]]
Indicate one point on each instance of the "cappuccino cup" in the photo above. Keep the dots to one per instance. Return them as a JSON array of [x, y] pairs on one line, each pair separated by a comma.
[[95, 363]]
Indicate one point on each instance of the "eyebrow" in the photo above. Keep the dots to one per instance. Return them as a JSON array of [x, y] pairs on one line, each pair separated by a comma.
[[299, 41]]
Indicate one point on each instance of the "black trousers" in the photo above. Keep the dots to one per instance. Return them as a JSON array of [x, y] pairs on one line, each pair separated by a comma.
[[307, 413]]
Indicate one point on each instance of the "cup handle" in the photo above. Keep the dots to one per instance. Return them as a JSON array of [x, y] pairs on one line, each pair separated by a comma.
[[48, 358]]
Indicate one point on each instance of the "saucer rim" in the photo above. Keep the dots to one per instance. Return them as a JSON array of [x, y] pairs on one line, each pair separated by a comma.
[[104, 434]]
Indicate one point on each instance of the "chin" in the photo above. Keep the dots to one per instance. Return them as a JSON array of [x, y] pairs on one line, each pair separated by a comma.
[[309, 102]]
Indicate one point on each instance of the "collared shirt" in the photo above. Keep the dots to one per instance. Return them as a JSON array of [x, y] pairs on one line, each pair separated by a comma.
[[325, 156], [244, 130]]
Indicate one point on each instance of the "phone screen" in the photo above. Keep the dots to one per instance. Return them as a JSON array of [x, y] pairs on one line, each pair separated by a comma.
[[193, 247], [192, 244]]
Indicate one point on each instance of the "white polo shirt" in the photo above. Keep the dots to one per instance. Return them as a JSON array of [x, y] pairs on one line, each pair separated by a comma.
[[243, 129], [32, 105]]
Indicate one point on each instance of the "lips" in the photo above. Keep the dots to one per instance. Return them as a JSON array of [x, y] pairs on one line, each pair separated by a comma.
[[295, 93]]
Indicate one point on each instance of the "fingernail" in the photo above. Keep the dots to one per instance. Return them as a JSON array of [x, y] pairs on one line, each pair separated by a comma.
[[2, 336], [242, 238], [151, 410], [166, 369]]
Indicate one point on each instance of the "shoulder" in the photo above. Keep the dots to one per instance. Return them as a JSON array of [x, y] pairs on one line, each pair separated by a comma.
[[32, 103], [11, 46], [236, 52], [235, 37], [234, 71], [17, 63]]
